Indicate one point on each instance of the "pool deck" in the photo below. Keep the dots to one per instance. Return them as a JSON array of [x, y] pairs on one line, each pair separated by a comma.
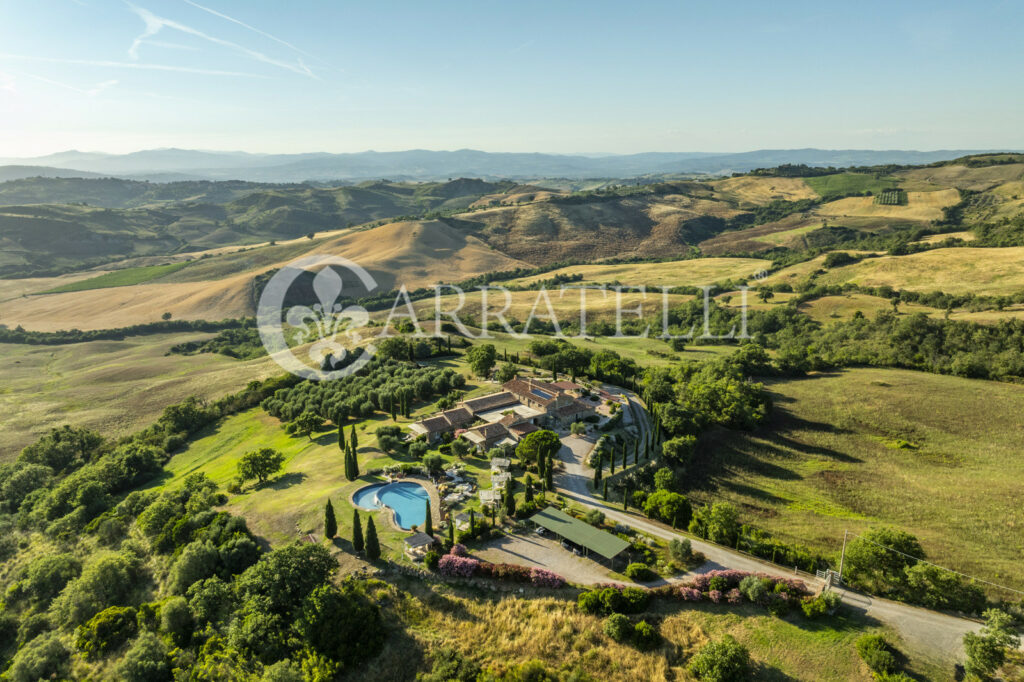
[[425, 483]]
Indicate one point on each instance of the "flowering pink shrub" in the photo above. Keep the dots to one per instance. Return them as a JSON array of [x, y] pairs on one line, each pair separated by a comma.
[[690, 594], [715, 596], [734, 596], [459, 566], [458, 549], [542, 577]]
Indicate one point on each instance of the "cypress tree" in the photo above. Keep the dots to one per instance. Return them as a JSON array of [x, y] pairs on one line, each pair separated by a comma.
[[528, 495], [357, 532], [428, 524], [472, 522], [510, 500], [604, 492], [330, 520], [548, 482], [451, 530], [354, 438], [625, 498], [355, 465], [348, 466], [612, 454], [341, 438], [372, 544], [540, 467], [597, 471], [636, 452]]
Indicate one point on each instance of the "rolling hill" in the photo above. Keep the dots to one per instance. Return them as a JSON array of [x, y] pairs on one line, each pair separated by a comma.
[[417, 253]]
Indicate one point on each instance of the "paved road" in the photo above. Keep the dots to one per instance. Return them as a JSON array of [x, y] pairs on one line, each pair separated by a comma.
[[925, 632]]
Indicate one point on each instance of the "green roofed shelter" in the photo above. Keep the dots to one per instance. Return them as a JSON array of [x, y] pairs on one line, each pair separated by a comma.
[[583, 534]]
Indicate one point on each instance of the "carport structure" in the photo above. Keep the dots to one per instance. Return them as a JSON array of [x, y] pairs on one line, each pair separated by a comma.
[[593, 540]]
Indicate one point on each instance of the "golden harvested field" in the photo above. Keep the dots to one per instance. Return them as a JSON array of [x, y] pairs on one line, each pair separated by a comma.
[[963, 177], [834, 308], [417, 254], [759, 191], [565, 304], [994, 271], [126, 306], [116, 387], [696, 272], [15, 288], [920, 206]]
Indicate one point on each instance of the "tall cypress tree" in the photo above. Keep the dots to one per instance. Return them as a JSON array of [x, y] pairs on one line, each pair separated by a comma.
[[604, 492], [597, 470], [451, 530], [372, 543], [611, 469], [528, 495], [357, 532], [341, 438], [472, 522], [330, 520], [355, 464], [354, 439], [350, 473], [548, 482], [428, 524]]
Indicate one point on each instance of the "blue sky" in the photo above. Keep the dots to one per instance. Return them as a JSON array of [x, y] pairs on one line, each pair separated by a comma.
[[573, 77]]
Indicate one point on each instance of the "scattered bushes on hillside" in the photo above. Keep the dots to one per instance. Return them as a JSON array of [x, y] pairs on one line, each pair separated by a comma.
[[723, 661]]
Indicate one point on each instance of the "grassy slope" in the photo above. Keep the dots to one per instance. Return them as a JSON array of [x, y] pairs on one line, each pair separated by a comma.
[[120, 278], [502, 631], [843, 184], [831, 463], [696, 272], [115, 386], [956, 271]]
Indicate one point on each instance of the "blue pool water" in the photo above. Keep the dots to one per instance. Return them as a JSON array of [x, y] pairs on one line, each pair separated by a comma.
[[409, 500]]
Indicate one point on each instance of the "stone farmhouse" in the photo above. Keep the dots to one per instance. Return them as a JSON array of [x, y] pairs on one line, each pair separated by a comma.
[[505, 417]]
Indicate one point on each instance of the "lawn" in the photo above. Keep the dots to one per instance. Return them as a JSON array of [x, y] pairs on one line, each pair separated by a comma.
[[934, 455], [120, 278]]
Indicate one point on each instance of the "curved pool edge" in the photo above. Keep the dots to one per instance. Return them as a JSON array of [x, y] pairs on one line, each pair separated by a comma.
[[426, 483]]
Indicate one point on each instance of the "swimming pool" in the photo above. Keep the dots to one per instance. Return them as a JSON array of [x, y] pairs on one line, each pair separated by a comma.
[[407, 499]]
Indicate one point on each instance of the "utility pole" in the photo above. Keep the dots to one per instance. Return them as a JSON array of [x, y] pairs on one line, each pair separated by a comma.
[[842, 557]]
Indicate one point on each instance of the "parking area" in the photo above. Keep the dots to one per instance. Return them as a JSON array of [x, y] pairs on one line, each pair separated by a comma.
[[530, 549]]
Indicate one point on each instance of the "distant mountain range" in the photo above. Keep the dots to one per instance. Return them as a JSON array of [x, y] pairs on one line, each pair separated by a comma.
[[164, 165]]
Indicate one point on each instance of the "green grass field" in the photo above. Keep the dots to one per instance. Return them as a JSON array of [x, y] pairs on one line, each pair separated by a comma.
[[116, 387], [121, 278], [832, 460], [844, 184]]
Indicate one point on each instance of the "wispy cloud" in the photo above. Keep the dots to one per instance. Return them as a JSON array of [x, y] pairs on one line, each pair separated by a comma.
[[130, 65], [89, 92], [250, 27], [155, 24]]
